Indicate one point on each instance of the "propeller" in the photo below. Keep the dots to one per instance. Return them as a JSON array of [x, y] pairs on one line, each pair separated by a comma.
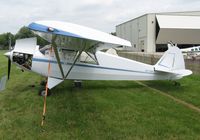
[[9, 67], [9, 59]]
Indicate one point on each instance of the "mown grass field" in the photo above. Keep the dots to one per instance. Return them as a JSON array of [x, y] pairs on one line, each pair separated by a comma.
[[100, 110]]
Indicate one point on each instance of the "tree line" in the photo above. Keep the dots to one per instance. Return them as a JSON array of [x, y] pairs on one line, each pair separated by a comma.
[[24, 32]]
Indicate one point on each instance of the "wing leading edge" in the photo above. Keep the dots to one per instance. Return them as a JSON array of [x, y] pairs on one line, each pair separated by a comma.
[[75, 33]]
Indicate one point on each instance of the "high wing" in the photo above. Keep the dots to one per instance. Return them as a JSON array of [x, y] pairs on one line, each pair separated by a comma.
[[76, 37]]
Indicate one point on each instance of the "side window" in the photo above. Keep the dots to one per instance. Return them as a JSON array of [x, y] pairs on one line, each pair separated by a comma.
[[89, 58], [68, 55]]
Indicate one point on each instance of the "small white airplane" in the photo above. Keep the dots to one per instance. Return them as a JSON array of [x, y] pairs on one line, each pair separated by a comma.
[[61, 59], [192, 51]]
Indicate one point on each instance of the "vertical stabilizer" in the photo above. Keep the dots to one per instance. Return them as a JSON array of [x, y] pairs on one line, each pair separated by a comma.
[[172, 62]]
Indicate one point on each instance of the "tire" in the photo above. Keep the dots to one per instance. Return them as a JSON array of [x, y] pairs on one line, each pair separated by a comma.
[[43, 90]]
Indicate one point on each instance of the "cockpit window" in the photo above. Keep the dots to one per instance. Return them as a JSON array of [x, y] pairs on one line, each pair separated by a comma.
[[87, 57], [68, 55], [44, 49]]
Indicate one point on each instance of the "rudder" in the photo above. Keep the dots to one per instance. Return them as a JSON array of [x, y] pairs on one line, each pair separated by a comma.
[[172, 62]]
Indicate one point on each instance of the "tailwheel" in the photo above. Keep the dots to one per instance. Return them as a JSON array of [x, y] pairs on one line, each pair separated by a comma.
[[42, 91], [77, 83], [177, 84]]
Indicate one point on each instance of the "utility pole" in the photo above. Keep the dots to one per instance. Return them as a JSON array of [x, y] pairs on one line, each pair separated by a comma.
[[9, 43]]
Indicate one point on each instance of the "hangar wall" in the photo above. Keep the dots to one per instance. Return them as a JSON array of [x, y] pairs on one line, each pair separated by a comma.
[[140, 32]]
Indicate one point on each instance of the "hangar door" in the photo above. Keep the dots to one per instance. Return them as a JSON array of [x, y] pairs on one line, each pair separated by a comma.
[[178, 29]]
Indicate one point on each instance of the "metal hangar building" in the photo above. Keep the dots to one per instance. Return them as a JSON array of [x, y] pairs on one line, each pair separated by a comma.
[[151, 32]]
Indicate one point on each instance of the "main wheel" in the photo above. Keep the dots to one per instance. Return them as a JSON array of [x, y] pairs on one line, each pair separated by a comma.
[[42, 92]]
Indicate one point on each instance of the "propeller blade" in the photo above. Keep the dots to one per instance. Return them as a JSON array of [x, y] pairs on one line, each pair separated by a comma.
[[9, 67]]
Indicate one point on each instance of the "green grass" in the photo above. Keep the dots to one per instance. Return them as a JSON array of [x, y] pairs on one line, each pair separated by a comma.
[[100, 110], [189, 90]]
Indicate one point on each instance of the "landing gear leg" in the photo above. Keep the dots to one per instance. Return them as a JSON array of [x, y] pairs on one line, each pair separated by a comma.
[[43, 83], [42, 89]]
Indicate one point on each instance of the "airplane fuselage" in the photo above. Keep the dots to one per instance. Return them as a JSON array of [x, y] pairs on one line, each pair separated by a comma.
[[109, 67]]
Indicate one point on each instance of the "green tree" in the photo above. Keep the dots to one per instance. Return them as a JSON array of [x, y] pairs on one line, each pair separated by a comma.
[[41, 41], [24, 32], [4, 40]]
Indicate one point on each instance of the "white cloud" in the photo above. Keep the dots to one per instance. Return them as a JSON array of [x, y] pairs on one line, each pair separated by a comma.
[[96, 2], [100, 14]]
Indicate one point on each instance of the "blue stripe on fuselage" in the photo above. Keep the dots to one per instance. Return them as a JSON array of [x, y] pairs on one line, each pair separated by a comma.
[[85, 65]]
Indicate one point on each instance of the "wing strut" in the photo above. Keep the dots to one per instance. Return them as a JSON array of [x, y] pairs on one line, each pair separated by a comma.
[[76, 58], [57, 55], [93, 58]]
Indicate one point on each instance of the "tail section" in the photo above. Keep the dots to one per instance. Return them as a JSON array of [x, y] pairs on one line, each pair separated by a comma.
[[172, 62]]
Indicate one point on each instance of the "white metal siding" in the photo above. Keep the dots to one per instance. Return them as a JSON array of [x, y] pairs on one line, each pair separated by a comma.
[[142, 26], [151, 33], [136, 32], [135, 35]]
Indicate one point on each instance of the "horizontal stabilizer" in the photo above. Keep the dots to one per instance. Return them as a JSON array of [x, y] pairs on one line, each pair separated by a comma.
[[184, 72]]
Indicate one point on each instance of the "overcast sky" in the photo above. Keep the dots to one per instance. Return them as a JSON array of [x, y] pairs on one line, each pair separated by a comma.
[[100, 14]]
